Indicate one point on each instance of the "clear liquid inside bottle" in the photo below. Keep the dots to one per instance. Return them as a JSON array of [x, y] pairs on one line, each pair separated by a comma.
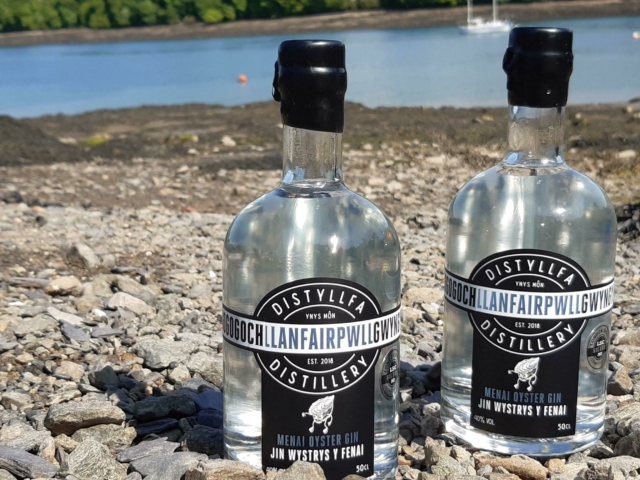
[[531, 200], [310, 226]]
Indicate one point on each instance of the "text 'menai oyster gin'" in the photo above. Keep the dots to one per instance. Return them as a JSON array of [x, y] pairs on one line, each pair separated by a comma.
[[312, 297], [529, 277]]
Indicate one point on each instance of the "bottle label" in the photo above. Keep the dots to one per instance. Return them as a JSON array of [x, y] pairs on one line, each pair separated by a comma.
[[317, 342], [528, 309]]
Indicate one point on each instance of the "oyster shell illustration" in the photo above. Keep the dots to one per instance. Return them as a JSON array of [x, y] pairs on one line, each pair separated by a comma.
[[527, 371], [322, 412]]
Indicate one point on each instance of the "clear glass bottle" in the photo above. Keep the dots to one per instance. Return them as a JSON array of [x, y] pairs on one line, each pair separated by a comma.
[[312, 230], [524, 227]]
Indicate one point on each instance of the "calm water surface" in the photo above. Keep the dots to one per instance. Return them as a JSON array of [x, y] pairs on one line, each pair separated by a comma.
[[431, 66]]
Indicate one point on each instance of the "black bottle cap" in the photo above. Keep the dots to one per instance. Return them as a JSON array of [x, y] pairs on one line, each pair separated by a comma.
[[310, 82], [538, 64]]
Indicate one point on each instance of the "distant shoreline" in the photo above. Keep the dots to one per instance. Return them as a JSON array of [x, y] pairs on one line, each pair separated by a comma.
[[356, 20]]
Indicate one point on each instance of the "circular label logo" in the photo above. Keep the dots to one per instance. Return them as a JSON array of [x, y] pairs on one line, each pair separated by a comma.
[[518, 314], [389, 375], [598, 348]]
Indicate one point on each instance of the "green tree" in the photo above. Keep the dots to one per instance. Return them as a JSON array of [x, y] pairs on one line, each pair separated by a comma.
[[68, 10], [93, 14]]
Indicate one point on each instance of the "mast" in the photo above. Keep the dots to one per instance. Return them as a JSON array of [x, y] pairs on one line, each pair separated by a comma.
[[469, 11], [495, 10]]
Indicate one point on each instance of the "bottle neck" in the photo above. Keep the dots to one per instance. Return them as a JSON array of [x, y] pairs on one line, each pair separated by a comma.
[[536, 137], [311, 158]]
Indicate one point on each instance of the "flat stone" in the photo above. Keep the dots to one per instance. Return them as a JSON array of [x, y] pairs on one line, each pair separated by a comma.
[[65, 286], [623, 462], [19, 400], [160, 354], [128, 285], [133, 476], [28, 282], [224, 469], [299, 470], [91, 461], [158, 426], [112, 436], [130, 303], [164, 467], [525, 467], [146, 449], [37, 324], [99, 332], [6, 346], [65, 317], [82, 255], [68, 417], [154, 408], [74, 333], [73, 370], [25, 465], [203, 439], [22, 436]]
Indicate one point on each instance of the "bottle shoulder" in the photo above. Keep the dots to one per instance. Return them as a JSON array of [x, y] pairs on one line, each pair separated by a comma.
[[504, 187], [281, 213]]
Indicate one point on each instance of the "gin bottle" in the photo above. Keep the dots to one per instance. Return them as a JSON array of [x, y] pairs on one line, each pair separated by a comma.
[[312, 296], [529, 277]]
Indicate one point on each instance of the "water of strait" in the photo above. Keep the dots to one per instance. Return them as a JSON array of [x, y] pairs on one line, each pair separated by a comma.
[[414, 67]]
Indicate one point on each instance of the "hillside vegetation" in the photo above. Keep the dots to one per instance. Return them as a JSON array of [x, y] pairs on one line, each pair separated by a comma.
[[16, 15]]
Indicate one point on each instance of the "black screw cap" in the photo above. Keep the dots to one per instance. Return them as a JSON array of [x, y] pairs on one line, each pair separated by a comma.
[[538, 64], [310, 82]]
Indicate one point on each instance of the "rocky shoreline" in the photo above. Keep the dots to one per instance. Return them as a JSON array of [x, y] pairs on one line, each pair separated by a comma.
[[111, 232]]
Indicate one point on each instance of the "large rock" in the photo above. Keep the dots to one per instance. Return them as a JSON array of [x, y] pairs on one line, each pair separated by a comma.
[[65, 286], [92, 461], [68, 417], [154, 408], [130, 303], [22, 436], [165, 467], [147, 449], [113, 436], [521, 465], [619, 382], [4, 475], [203, 439], [223, 469], [208, 366], [18, 400], [129, 285], [104, 378], [37, 324], [299, 470], [626, 419], [629, 445], [73, 370], [82, 255], [160, 354], [25, 465]]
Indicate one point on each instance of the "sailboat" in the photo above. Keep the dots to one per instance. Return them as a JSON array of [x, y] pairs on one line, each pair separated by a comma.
[[478, 25]]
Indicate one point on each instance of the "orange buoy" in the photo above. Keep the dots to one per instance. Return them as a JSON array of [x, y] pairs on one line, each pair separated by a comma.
[[242, 78]]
